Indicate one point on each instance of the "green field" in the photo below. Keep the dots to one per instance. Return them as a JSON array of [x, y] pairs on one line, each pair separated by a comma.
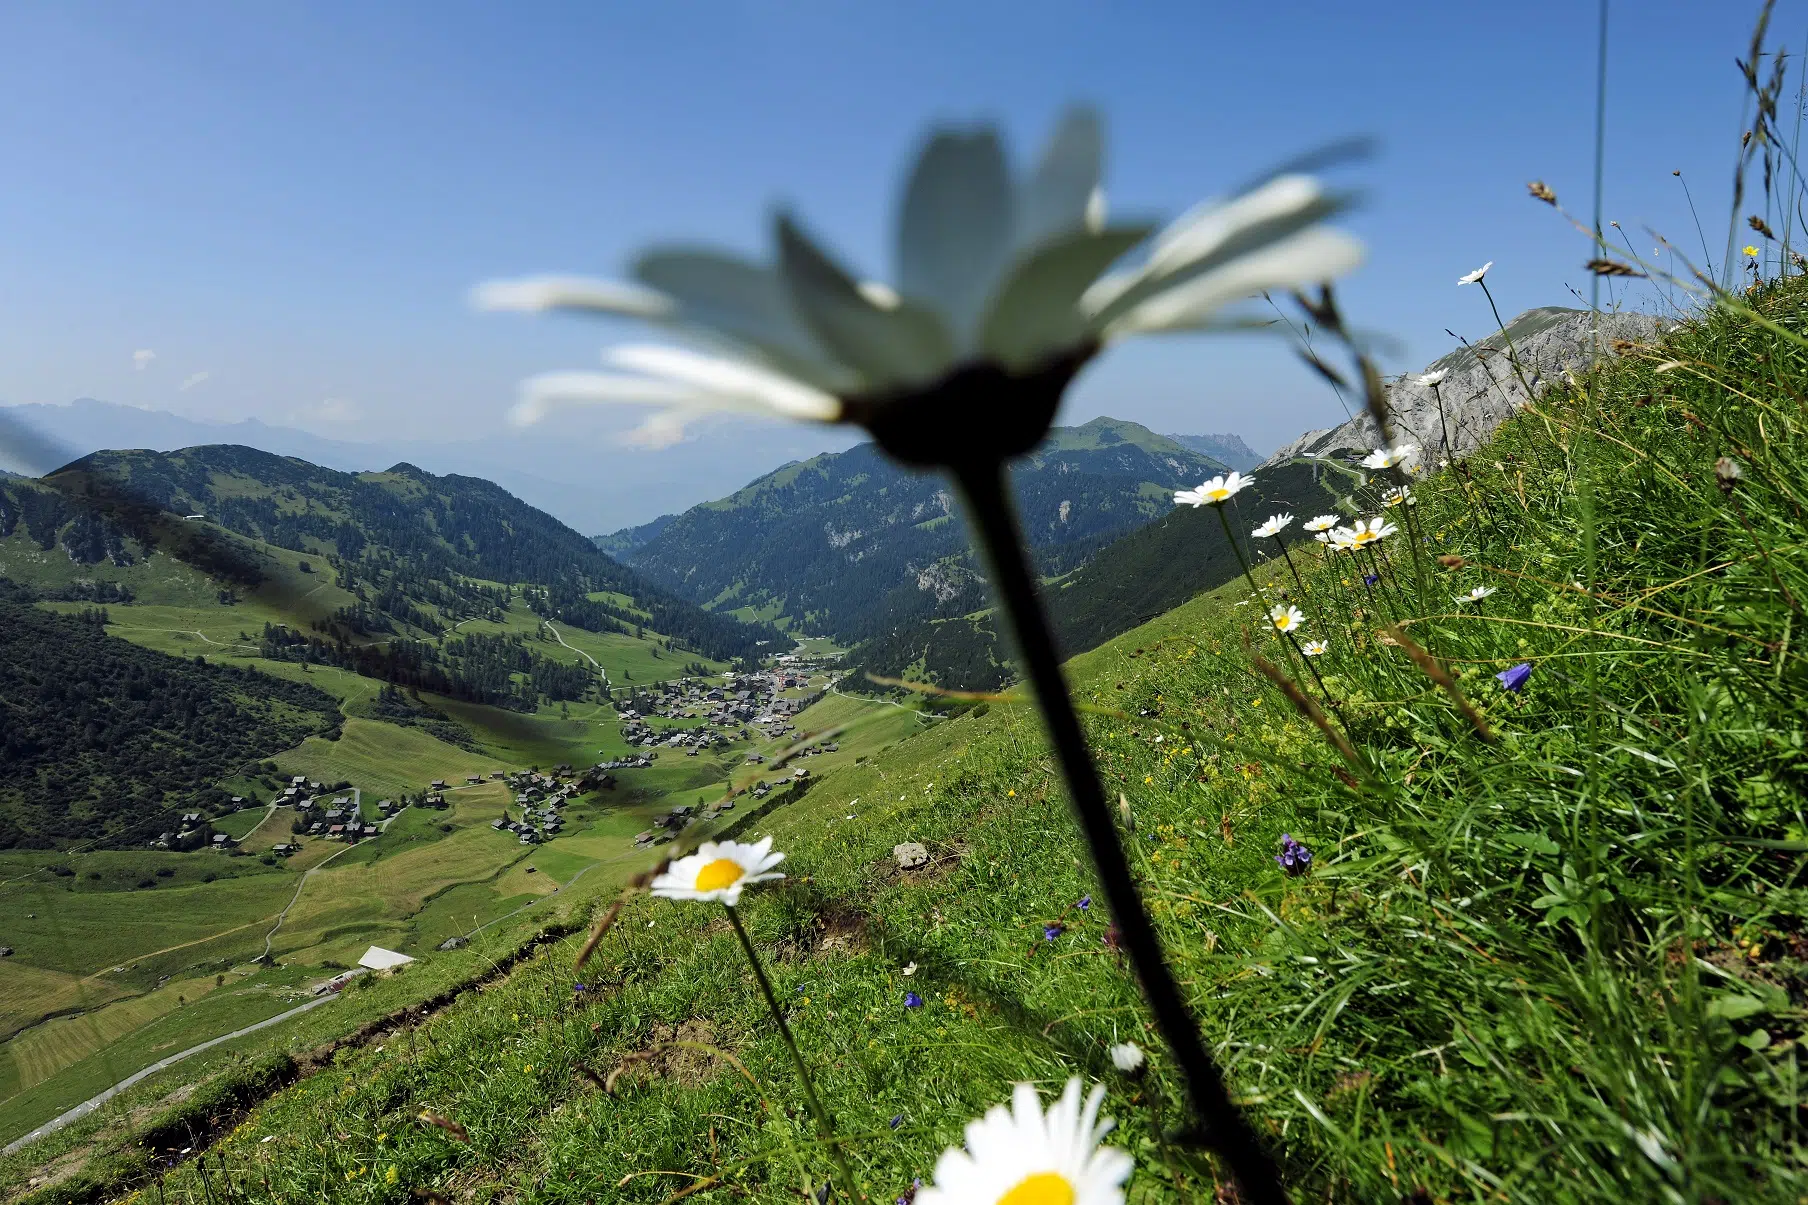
[[238, 825], [1548, 947], [86, 941], [384, 759]]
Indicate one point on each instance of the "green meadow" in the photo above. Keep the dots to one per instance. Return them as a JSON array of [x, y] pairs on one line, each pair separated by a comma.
[[1548, 947], [116, 950]]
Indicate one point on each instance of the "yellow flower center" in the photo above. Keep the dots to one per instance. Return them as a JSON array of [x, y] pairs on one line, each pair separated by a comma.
[[1043, 1188], [1217, 495], [723, 872]]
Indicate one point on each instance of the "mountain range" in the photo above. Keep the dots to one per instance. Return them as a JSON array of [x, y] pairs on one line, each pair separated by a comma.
[[851, 546], [847, 545], [414, 552], [1227, 449], [574, 469]]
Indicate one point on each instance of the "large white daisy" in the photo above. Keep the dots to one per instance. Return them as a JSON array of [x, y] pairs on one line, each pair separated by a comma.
[[1021, 1156], [1005, 285], [1215, 491], [718, 871]]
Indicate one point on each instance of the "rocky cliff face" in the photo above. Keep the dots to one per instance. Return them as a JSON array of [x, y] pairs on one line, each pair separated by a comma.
[[1481, 390]]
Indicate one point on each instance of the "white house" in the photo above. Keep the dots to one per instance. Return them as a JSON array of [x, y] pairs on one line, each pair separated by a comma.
[[379, 959]]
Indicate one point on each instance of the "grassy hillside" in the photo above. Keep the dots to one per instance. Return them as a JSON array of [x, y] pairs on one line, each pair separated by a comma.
[[1549, 949]]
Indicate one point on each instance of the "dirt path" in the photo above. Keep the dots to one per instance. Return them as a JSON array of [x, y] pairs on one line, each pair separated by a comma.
[[888, 702], [357, 809], [580, 652], [223, 644]]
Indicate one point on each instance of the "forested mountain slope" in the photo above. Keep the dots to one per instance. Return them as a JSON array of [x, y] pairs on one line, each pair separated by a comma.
[[850, 545], [1144, 573], [419, 552], [103, 738]]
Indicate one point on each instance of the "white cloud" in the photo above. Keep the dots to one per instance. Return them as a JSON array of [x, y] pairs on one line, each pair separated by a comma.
[[332, 410], [661, 430], [193, 380], [142, 358]]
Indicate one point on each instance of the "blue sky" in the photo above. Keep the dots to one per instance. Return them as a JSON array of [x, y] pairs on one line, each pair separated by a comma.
[[293, 200]]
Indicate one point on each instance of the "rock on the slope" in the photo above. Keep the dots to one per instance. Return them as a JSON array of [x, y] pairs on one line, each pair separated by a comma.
[[1482, 390], [910, 855], [454, 943]]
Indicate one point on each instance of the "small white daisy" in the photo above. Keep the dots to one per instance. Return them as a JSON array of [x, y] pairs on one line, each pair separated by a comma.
[[1475, 595], [1286, 617], [718, 871], [1127, 1057], [1387, 458], [1475, 277], [1275, 525], [1399, 494], [1432, 380], [1321, 523], [1315, 648], [1025, 1157], [1215, 491], [1368, 531]]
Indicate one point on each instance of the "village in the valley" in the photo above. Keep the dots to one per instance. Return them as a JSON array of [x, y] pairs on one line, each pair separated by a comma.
[[754, 711]]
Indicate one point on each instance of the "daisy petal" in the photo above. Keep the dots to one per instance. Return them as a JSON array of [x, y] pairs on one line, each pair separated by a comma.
[[732, 378], [539, 394], [1037, 310], [745, 302], [888, 347], [1061, 190], [1306, 258], [1215, 234], [533, 294], [956, 226]]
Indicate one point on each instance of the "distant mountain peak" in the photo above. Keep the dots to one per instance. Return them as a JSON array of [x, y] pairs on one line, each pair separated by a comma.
[[1227, 448]]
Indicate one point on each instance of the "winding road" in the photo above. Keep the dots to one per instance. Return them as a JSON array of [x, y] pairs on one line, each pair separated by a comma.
[[96, 1101]]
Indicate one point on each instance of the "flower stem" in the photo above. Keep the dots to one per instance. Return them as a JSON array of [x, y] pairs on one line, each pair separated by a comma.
[[1223, 1127], [1290, 566], [1247, 576], [825, 1128], [1512, 352]]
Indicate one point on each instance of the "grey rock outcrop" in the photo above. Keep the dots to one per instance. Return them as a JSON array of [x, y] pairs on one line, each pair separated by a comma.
[[1481, 390], [910, 855]]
